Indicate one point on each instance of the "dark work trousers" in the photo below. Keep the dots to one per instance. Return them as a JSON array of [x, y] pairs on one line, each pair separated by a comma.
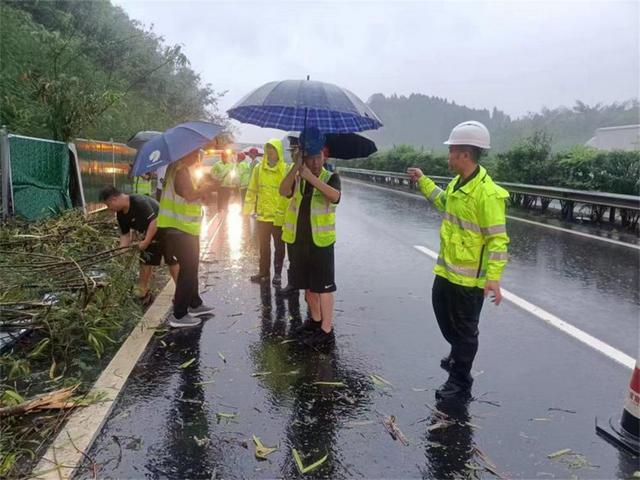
[[186, 249], [457, 310], [266, 230]]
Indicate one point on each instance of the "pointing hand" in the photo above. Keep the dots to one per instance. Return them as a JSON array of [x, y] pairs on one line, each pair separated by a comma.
[[414, 173]]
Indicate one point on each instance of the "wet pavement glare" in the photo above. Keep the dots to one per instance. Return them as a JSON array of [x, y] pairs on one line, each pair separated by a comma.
[[536, 391]]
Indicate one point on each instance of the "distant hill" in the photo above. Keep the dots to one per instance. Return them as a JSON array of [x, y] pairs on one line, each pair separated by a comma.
[[425, 121]]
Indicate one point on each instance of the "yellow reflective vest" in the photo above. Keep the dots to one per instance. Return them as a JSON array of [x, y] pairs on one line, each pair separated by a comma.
[[142, 186], [244, 173], [175, 211], [473, 234], [323, 214], [263, 192]]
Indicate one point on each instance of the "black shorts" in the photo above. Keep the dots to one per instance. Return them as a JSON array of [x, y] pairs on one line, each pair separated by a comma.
[[312, 267], [154, 253]]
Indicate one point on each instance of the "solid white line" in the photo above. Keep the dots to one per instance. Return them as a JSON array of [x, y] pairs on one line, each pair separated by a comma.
[[575, 232], [511, 217], [580, 335]]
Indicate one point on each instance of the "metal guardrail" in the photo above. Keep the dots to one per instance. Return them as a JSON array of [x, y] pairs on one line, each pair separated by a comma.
[[615, 200]]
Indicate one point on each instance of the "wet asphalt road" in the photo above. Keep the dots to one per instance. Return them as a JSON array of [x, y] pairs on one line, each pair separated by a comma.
[[165, 423]]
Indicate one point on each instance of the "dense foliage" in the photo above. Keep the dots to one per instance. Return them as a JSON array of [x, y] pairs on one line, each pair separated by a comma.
[[84, 69], [424, 121], [64, 281], [530, 161]]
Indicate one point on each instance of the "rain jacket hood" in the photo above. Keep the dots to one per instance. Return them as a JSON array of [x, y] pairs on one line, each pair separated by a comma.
[[263, 193], [280, 165]]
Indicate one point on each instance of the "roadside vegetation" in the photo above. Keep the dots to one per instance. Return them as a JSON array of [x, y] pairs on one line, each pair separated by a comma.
[[532, 161], [65, 292]]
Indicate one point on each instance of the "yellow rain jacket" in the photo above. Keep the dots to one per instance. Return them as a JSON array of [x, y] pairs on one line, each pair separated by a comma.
[[221, 171], [473, 235], [244, 173], [263, 193]]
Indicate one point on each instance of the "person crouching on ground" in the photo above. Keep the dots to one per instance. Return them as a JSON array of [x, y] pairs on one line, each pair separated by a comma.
[[263, 197], [309, 228], [179, 220], [139, 213]]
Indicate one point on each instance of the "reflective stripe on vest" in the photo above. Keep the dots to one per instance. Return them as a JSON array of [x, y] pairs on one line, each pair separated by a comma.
[[467, 272], [323, 226], [175, 211]]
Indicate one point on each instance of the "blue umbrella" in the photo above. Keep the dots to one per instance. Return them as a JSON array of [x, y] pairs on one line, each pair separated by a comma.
[[173, 145], [297, 104]]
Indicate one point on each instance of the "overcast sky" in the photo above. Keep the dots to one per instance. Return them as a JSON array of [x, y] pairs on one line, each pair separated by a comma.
[[518, 56]]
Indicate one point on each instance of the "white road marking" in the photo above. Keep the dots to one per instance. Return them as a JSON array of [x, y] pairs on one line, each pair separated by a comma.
[[575, 232], [511, 217], [580, 335]]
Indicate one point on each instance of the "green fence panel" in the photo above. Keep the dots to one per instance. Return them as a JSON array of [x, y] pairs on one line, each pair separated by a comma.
[[40, 177]]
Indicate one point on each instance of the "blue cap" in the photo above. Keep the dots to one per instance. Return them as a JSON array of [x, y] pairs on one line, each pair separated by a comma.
[[312, 141]]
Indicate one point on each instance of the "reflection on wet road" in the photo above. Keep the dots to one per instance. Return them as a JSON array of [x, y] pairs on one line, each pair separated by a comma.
[[536, 391]]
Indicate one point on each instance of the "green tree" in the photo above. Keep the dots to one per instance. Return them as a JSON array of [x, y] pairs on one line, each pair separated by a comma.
[[71, 68]]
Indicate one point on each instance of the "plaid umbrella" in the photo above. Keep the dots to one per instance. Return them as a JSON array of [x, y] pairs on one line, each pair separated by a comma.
[[297, 104]]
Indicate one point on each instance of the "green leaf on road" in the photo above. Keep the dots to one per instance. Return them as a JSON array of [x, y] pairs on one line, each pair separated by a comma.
[[308, 468], [559, 453], [261, 450], [188, 362], [226, 415], [330, 384], [379, 381]]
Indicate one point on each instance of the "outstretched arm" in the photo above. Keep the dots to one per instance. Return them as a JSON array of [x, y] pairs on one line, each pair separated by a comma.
[[428, 188]]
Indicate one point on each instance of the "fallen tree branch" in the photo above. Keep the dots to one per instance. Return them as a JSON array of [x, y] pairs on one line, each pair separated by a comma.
[[55, 400]]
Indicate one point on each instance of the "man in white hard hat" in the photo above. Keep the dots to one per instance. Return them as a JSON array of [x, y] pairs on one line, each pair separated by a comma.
[[473, 251]]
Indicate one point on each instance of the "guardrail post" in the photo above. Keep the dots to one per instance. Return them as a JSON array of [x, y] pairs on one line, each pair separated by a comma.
[[5, 166]]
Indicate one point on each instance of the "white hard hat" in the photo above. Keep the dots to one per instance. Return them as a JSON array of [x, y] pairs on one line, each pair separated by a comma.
[[470, 133]]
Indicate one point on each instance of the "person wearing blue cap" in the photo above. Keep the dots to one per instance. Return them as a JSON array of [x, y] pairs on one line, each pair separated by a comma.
[[310, 230]]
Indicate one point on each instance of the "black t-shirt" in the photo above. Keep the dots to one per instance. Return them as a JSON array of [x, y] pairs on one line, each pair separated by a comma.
[[142, 211], [303, 229]]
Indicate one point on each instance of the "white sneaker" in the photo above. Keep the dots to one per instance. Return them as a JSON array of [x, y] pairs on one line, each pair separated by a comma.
[[186, 321], [201, 310]]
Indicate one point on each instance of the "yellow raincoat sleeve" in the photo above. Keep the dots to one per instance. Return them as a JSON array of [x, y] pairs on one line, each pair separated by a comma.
[[492, 217], [283, 203], [251, 196], [433, 192]]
